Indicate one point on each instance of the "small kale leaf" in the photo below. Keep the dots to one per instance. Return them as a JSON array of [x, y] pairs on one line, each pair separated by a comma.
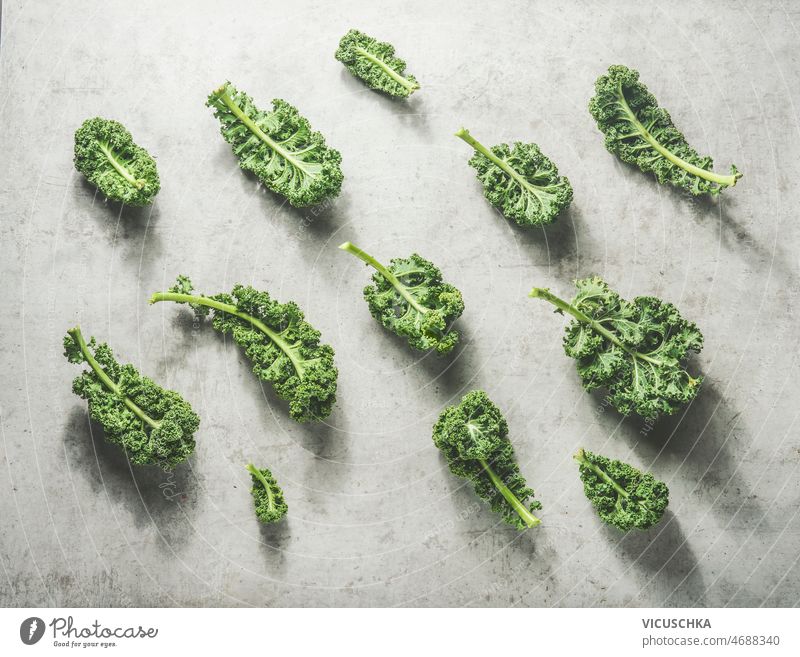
[[279, 147], [121, 170], [640, 132], [520, 181], [410, 299], [633, 349], [375, 63]]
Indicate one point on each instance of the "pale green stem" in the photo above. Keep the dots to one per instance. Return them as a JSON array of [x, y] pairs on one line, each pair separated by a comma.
[[101, 374], [527, 517], [233, 310], [253, 470], [726, 181], [224, 96], [389, 276], [408, 84], [138, 183]]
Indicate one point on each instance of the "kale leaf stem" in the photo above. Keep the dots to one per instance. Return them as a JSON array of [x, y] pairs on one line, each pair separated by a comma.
[[544, 293], [121, 169], [411, 86], [389, 276], [726, 181], [253, 470], [225, 97], [233, 310], [77, 336], [527, 517]]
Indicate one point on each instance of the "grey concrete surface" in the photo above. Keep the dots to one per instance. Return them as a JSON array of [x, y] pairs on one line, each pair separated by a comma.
[[375, 517]]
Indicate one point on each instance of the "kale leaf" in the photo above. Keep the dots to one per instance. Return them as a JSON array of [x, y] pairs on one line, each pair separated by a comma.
[[267, 495], [520, 181], [410, 299], [121, 170], [279, 147], [640, 132], [473, 436], [153, 425], [634, 349], [623, 496], [284, 349], [375, 63]]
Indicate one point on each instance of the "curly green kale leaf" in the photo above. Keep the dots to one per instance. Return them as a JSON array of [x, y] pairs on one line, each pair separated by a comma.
[[521, 182], [624, 497], [639, 132], [634, 349], [284, 349], [410, 299], [153, 425], [473, 436], [279, 147], [106, 155], [267, 495], [375, 63]]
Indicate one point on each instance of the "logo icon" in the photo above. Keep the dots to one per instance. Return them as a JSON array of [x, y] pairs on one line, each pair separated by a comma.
[[31, 630]]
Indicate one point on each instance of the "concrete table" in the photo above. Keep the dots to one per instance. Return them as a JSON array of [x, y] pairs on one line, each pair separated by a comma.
[[375, 517]]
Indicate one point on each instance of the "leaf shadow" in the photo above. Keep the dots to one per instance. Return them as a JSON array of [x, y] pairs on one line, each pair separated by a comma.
[[448, 373], [302, 226], [316, 221], [703, 435], [409, 110], [134, 220], [470, 514], [274, 537], [663, 551], [323, 439], [320, 221], [132, 229], [453, 373], [555, 244], [736, 237], [151, 496]]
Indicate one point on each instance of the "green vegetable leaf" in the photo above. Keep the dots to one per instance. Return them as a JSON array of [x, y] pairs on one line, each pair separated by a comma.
[[410, 299], [121, 170], [375, 63], [521, 182], [639, 132], [634, 349], [284, 348], [153, 425], [267, 495], [473, 436], [624, 497], [279, 147]]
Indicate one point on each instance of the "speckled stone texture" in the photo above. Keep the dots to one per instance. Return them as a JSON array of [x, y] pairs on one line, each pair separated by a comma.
[[375, 518]]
